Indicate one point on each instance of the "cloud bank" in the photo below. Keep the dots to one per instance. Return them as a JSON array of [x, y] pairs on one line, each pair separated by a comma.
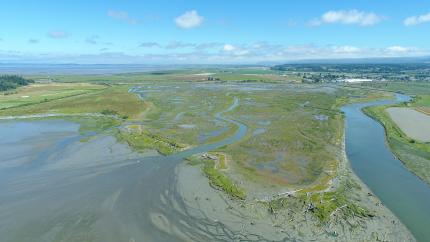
[[218, 53]]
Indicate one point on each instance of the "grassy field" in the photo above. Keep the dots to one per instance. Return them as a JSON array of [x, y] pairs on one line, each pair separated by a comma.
[[74, 99], [257, 74], [38, 93]]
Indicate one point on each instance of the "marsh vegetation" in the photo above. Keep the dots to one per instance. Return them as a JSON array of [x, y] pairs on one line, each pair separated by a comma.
[[288, 159]]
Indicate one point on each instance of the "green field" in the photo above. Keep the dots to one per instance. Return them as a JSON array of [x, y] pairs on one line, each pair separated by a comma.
[[239, 74], [72, 99], [38, 93]]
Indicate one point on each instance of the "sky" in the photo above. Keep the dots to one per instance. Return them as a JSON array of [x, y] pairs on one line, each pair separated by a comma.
[[210, 32]]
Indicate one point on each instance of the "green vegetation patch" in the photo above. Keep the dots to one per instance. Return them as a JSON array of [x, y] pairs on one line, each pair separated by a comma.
[[75, 99], [10, 82], [218, 179], [142, 140], [329, 203], [257, 74], [294, 137], [95, 124], [324, 205], [36, 94]]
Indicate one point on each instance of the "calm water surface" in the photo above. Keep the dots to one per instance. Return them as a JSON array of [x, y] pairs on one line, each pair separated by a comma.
[[371, 159]]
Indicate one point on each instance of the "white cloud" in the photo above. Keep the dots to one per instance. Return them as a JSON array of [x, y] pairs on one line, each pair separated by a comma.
[[400, 49], [414, 20], [349, 17], [58, 34], [245, 53], [122, 16], [228, 47], [188, 20], [346, 49]]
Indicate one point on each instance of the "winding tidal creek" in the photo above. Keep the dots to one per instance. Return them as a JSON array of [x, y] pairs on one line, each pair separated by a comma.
[[53, 187], [402, 192]]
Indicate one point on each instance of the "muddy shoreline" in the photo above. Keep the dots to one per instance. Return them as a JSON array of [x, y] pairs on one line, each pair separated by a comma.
[[251, 220]]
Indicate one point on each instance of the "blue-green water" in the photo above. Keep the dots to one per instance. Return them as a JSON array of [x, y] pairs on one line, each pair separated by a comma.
[[402, 192]]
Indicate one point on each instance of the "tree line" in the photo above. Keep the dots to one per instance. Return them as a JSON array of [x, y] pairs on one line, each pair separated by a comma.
[[10, 82]]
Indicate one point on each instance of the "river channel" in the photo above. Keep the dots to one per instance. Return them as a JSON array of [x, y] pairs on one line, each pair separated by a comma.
[[402, 192]]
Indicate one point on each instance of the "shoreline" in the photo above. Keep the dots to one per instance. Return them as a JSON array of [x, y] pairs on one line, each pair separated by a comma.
[[252, 217]]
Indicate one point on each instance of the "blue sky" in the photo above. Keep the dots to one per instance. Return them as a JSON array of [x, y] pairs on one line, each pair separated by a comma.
[[199, 31]]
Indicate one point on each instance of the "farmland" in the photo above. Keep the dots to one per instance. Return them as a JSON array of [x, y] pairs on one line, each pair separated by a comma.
[[414, 124], [414, 153]]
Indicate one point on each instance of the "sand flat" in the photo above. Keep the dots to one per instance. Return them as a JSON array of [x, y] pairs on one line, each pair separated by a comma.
[[413, 123]]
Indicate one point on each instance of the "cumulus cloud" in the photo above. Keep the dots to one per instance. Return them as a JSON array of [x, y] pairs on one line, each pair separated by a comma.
[[58, 34], [228, 47], [122, 16], [33, 41], [348, 17], [415, 20], [188, 20]]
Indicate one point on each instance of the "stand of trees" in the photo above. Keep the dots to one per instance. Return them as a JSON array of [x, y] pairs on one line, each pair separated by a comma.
[[9, 82]]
